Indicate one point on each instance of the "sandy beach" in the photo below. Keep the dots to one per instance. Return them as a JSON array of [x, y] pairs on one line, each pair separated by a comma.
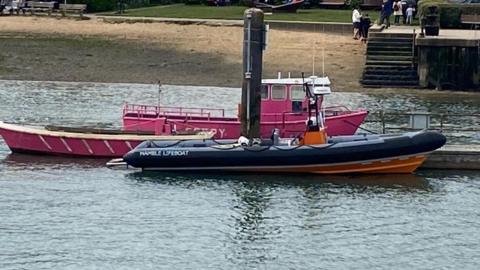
[[39, 48]]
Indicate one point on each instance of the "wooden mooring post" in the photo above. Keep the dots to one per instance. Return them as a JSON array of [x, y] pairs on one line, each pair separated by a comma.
[[253, 44]]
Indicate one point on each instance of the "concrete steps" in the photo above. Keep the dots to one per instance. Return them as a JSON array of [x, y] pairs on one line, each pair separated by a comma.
[[403, 77], [387, 68], [390, 35], [390, 53], [379, 45], [396, 42], [389, 58], [388, 49], [390, 61], [380, 72]]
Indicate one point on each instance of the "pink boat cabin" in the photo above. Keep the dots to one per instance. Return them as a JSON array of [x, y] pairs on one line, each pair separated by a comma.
[[284, 106]]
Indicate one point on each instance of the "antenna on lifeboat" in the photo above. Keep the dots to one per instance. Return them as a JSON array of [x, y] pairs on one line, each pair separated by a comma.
[[323, 50]]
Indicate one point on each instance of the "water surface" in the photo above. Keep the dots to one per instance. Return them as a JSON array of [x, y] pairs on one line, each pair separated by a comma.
[[60, 213], [100, 104]]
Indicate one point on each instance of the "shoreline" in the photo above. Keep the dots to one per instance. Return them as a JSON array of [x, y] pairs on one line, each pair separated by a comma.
[[92, 51], [35, 48]]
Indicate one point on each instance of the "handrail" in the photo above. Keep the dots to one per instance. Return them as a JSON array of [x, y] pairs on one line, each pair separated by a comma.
[[168, 121], [413, 48], [166, 110], [342, 107], [162, 111]]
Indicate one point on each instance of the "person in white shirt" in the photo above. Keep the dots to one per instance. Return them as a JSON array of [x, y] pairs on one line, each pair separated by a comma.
[[356, 16], [397, 11], [410, 11]]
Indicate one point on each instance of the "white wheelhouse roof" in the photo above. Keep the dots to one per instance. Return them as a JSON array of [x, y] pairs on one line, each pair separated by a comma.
[[321, 84]]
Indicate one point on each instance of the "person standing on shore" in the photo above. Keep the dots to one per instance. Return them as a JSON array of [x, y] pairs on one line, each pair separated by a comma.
[[386, 12], [364, 26], [356, 23], [404, 10], [410, 11], [397, 11]]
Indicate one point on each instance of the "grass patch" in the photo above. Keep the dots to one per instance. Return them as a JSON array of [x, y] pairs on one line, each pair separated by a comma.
[[236, 13]]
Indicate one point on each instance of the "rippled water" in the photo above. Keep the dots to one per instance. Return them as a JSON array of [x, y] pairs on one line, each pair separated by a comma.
[[59, 213], [64, 103]]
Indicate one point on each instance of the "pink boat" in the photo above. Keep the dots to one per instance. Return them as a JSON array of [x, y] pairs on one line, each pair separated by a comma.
[[77, 142], [283, 106]]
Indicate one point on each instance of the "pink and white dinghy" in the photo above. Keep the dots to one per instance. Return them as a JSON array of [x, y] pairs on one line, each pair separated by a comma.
[[284, 106], [79, 141]]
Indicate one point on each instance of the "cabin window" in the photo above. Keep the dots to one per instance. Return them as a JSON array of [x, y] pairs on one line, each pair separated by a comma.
[[278, 92], [297, 106], [296, 92], [264, 92]]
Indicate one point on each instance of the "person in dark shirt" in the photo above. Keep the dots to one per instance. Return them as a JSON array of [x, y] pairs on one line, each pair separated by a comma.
[[386, 12], [365, 24], [404, 10]]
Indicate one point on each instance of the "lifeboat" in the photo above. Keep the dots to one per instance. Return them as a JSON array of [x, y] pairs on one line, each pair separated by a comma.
[[313, 154]]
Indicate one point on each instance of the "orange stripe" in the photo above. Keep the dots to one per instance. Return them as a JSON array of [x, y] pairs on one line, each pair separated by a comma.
[[404, 165]]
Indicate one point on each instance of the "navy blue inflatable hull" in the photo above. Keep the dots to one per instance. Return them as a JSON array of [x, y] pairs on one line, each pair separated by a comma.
[[341, 155]]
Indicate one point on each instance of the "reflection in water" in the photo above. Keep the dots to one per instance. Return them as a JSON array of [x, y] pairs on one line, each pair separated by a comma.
[[415, 181], [379, 180], [258, 202], [36, 162], [251, 201]]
